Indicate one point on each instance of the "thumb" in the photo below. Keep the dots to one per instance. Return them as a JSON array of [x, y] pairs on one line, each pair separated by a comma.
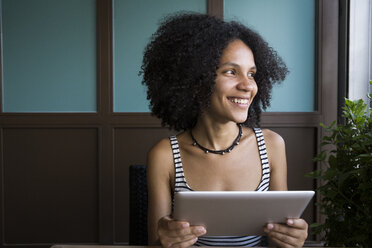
[[163, 221]]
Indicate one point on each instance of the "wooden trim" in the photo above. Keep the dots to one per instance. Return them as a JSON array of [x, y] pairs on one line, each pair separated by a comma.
[[100, 29], [215, 8], [29, 119], [290, 119], [106, 189], [135, 120], [328, 25], [105, 56], [269, 119], [317, 60], [318, 67], [2, 191], [105, 156], [328, 63], [343, 66], [1, 57], [272, 119]]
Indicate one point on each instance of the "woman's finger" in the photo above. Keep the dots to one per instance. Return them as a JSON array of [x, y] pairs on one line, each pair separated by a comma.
[[168, 223], [173, 228], [198, 230], [284, 239], [287, 235], [182, 232], [185, 243], [280, 243], [292, 231], [297, 223], [178, 233], [168, 241]]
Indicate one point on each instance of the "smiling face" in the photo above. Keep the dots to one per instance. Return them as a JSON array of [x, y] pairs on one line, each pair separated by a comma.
[[235, 86]]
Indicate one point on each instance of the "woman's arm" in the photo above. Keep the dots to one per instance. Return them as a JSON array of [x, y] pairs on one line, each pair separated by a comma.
[[294, 233], [162, 229], [275, 147], [159, 169]]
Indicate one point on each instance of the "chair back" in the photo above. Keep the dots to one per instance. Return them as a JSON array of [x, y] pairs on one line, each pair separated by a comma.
[[137, 205]]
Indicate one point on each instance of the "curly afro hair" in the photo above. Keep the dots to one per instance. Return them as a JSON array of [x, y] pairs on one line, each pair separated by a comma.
[[180, 63]]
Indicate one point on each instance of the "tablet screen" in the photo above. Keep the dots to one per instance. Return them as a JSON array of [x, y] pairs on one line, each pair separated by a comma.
[[236, 213]]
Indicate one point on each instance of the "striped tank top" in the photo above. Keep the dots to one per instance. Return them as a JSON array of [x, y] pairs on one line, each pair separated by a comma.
[[181, 185]]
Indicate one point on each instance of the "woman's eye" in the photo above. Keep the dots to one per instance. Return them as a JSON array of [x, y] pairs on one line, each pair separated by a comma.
[[251, 74], [231, 72]]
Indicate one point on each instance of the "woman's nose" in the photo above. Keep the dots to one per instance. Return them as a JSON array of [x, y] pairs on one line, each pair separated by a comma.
[[246, 84]]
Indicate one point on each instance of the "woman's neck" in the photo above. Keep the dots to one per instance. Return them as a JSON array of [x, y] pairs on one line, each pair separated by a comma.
[[215, 136]]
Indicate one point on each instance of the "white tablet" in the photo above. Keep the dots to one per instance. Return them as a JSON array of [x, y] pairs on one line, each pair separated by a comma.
[[238, 213]]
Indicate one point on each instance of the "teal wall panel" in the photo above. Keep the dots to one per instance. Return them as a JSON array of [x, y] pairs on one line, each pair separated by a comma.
[[49, 55], [134, 22], [289, 27]]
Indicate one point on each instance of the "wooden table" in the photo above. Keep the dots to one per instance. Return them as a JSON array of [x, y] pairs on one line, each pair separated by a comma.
[[310, 244]]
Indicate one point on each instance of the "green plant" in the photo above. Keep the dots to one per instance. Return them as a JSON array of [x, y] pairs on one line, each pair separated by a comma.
[[346, 191]]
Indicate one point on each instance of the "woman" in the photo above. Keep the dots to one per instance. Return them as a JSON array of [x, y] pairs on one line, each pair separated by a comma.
[[209, 79]]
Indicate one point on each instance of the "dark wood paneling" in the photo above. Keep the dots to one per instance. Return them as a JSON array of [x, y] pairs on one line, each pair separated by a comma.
[[300, 149], [131, 146], [50, 184]]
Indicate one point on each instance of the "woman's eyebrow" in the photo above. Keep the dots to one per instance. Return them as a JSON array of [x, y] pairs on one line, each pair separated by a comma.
[[229, 64], [236, 65]]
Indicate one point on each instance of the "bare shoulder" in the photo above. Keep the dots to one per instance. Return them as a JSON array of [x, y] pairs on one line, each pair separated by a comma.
[[160, 155], [277, 160], [273, 139], [275, 146], [160, 169]]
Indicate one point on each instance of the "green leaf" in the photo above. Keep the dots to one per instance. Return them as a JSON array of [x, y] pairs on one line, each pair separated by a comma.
[[315, 225], [324, 143], [348, 102], [366, 186], [332, 161], [314, 174]]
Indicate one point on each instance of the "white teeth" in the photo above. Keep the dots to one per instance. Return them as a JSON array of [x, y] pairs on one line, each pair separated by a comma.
[[240, 101]]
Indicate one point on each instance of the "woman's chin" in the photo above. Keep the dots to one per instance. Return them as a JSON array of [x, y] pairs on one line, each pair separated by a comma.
[[241, 119]]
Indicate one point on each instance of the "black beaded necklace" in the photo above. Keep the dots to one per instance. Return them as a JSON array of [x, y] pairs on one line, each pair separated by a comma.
[[221, 152]]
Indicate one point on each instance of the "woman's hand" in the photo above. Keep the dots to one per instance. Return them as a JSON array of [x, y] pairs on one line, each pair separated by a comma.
[[178, 234], [293, 234]]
